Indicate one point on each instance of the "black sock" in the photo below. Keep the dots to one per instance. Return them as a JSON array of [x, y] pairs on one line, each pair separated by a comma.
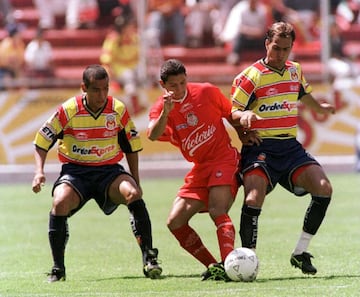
[[58, 237], [315, 214], [141, 225], [249, 226]]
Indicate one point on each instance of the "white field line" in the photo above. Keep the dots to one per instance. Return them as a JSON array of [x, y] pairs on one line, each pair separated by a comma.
[[166, 164]]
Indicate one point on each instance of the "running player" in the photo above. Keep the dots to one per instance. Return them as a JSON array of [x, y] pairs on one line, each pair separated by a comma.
[[265, 98], [190, 116], [93, 131]]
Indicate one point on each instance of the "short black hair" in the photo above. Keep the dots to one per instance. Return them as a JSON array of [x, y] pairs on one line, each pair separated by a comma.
[[12, 29], [94, 72], [171, 67]]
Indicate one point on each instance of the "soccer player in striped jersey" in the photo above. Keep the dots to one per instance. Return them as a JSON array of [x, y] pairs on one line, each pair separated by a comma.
[[190, 116], [265, 99], [93, 131]]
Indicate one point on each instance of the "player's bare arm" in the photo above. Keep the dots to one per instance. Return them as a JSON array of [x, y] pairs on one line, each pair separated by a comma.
[[133, 163], [245, 118], [247, 137], [168, 101], [157, 127], [39, 177], [323, 108]]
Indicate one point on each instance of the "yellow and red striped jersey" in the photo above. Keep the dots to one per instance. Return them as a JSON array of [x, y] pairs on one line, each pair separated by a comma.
[[120, 52], [88, 139], [273, 95]]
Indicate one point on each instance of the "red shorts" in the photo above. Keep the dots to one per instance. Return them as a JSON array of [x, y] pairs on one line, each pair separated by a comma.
[[203, 176]]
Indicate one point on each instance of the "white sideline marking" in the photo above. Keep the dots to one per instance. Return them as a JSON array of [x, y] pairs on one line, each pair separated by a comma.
[[166, 164]]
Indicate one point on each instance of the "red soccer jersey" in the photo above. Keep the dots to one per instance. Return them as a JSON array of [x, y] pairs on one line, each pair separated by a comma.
[[196, 124]]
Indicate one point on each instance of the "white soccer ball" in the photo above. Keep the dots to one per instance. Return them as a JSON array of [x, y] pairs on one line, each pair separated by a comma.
[[242, 264]]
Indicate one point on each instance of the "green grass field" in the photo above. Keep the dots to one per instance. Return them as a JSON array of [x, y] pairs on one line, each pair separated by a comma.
[[102, 257]]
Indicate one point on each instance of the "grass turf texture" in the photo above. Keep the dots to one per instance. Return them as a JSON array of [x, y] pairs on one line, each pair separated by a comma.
[[102, 257]]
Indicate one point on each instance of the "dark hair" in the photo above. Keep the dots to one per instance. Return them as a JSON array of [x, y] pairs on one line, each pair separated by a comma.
[[12, 29], [281, 29], [94, 72], [121, 22], [171, 67], [39, 32]]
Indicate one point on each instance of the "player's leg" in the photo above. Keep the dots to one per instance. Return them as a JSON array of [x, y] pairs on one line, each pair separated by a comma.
[[220, 200], [314, 181], [65, 200], [124, 190], [178, 223], [221, 197], [255, 183]]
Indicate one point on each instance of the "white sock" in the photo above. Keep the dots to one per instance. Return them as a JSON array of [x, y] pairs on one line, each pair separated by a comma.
[[303, 243]]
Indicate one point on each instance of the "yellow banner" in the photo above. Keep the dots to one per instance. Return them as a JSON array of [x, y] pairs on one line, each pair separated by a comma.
[[22, 113]]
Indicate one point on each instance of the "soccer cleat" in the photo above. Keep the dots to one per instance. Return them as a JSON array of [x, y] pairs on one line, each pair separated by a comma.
[[56, 274], [216, 272], [151, 267], [303, 262]]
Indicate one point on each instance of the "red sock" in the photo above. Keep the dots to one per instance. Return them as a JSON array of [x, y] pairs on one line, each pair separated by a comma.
[[226, 235], [191, 242]]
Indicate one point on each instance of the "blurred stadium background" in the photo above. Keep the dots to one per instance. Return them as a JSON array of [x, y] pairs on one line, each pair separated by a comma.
[[27, 103]]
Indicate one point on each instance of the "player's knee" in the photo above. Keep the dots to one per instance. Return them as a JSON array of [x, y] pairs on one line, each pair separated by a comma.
[[133, 194], [61, 206], [254, 201], [325, 188], [215, 212], [172, 224], [65, 199]]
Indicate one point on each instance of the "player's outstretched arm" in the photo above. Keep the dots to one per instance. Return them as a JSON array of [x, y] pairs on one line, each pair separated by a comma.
[[39, 177], [247, 137], [133, 163], [157, 126], [245, 118], [323, 108]]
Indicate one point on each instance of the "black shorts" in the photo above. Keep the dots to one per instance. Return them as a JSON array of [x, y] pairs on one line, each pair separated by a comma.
[[91, 182], [279, 158]]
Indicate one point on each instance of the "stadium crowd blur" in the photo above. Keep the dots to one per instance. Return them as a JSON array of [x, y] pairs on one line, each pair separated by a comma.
[[236, 26]]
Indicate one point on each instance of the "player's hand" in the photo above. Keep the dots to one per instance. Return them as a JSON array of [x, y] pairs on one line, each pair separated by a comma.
[[247, 117], [327, 108], [249, 138], [38, 182], [168, 101]]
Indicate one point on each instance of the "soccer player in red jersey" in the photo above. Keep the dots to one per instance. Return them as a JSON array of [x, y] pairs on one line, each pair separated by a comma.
[[265, 98], [93, 131], [190, 116]]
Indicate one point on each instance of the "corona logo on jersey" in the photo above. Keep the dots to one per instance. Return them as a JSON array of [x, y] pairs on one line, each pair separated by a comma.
[[197, 138]]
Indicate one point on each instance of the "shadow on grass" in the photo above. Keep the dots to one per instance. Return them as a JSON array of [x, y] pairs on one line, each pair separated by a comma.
[[328, 277], [261, 280], [142, 277]]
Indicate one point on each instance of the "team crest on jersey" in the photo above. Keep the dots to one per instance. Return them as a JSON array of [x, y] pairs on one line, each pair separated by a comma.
[[192, 119], [293, 74], [110, 122]]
